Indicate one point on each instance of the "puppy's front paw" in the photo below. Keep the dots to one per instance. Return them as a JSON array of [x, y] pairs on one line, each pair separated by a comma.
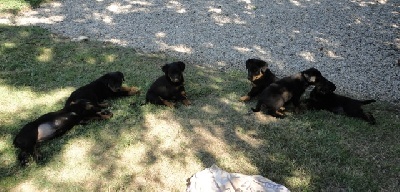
[[169, 104], [244, 98], [24, 163], [106, 114], [279, 114], [186, 102], [183, 93]]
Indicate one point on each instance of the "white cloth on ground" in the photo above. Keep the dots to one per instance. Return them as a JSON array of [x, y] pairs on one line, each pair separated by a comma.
[[218, 180]]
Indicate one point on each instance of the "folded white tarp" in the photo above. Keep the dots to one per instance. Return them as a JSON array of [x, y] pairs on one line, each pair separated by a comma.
[[215, 179]]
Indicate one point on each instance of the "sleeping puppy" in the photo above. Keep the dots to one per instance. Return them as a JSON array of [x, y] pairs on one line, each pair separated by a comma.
[[106, 87], [260, 77], [322, 97], [288, 89], [52, 125], [168, 88]]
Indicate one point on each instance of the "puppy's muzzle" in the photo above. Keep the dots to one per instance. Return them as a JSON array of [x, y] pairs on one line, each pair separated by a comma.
[[175, 79]]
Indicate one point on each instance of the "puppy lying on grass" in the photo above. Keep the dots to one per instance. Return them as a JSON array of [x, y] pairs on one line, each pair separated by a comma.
[[322, 97], [169, 88], [287, 89], [106, 87], [54, 124], [260, 77]]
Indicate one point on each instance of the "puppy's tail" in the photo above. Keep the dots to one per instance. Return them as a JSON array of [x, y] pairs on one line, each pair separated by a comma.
[[365, 102]]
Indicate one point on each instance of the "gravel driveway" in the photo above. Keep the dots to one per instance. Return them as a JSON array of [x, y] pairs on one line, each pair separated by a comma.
[[354, 43]]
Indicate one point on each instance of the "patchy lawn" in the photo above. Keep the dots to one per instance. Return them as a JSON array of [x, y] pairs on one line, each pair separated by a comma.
[[154, 148]]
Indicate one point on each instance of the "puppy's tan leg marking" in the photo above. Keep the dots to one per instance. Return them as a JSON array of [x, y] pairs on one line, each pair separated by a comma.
[[279, 113], [245, 98], [183, 93], [167, 103], [105, 116]]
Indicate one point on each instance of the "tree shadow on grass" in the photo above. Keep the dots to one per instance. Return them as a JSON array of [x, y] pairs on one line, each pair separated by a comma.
[[38, 72]]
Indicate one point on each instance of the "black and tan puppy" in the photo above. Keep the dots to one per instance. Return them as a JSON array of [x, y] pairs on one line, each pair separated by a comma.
[[288, 89], [169, 88], [322, 97], [54, 124], [106, 87], [260, 77]]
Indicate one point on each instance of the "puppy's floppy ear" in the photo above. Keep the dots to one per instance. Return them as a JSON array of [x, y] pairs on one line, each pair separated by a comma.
[[165, 68], [181, 65]]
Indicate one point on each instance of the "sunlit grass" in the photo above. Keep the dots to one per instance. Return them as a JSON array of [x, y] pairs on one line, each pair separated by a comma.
[[28, 102], [153, 148], [14, 6], [46, 55], [7, 5]]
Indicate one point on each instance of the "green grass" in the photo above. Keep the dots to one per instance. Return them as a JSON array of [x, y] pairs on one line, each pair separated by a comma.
[[14, 6], [153, 148]]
